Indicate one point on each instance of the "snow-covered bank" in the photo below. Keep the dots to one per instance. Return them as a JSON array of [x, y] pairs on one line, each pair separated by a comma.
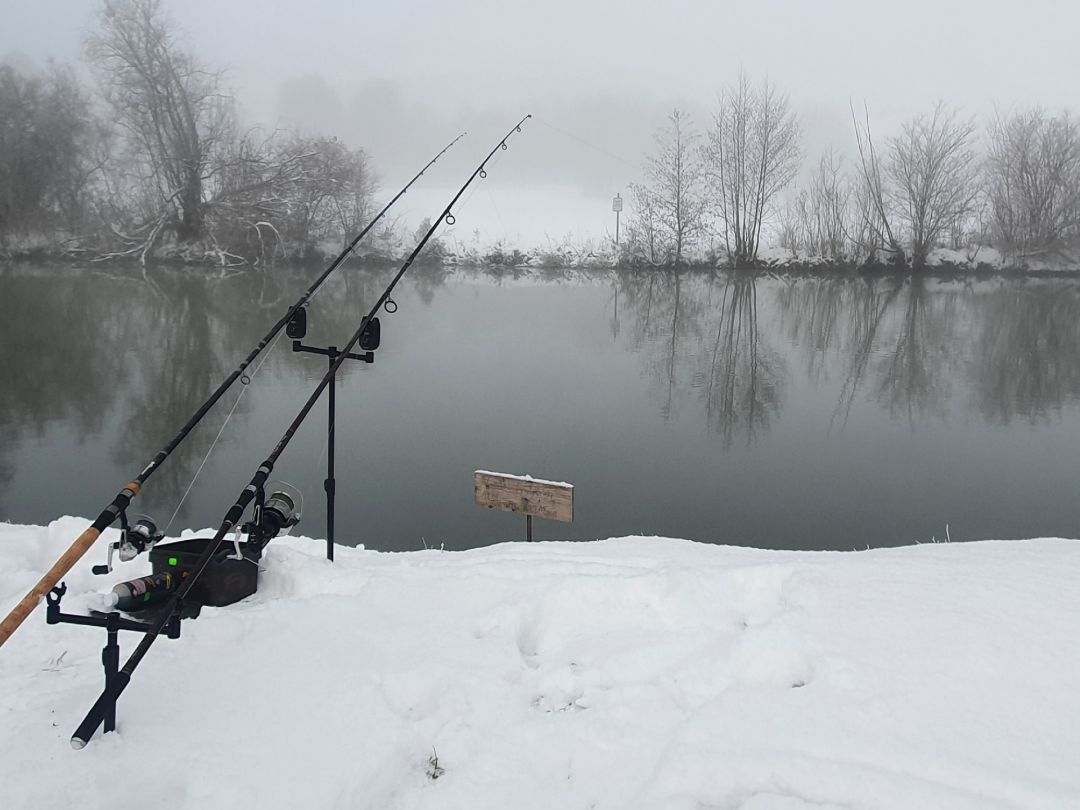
[[627, 673], [981, 259]]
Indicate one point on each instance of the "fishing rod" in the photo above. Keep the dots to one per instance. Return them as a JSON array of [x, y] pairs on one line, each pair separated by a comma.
[[254, 489], [118, 507]]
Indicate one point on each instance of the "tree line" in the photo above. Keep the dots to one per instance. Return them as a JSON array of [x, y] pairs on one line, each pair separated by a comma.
[[152, 158], [714, 194]]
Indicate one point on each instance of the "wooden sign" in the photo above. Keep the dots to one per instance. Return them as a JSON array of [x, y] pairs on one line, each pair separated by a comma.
[[529, 496]]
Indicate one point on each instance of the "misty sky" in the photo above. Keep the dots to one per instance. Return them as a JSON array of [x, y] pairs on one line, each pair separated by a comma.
[[402, 78]]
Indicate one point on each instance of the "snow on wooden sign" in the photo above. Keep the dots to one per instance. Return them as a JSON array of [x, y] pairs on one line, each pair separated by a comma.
[[526, 495]]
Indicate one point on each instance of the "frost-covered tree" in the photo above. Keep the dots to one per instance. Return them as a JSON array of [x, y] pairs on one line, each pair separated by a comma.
[[330, 197], [875, 230], [170, 105], [752, 153], [47, 138], [934, 177], [1033, 175], [818, 220], [669, 207]]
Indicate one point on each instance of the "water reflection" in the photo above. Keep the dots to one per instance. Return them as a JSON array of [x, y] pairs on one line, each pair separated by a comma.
[[56, 376], [869, 303], [700, 342], [168, 374], [913, 375], [133, 356], [899, 341], [744, 376], [1026, 363], [894, 336], [101, 369]]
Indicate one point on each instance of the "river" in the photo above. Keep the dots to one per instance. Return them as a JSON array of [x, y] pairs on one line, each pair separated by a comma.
[[834, 412]]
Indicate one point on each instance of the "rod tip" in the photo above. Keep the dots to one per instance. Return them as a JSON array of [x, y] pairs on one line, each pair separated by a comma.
[[78, 744]]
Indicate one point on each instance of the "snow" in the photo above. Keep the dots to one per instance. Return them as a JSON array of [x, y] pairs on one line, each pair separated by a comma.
[[527, 478], [624, 673], [775, 255]]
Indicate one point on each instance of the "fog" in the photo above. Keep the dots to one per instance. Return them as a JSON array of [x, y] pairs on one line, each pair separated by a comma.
[[401, 79]]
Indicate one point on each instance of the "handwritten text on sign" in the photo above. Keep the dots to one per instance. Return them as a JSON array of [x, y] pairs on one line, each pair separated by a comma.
[[528, 496]]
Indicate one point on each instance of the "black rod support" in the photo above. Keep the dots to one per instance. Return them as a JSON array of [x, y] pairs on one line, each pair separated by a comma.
[[110, 660], [83, 543], [94, 717], [113, 623], [333, 353], [329, 485]]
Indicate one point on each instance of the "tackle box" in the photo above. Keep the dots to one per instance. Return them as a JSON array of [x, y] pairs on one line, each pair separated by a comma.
[[225, 580]]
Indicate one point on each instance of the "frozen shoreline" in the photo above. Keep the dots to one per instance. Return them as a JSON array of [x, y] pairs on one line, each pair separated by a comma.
[[630, 673], [593, 257]]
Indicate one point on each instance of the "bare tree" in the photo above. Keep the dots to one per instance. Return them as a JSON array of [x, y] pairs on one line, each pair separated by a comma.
[[291, 193], [670, 206], [934, 175], [1033, 173], [250, 200], [752, 153], [642, 239], [170, 105], [818, 219], [875, 231], [47, 131], [830, 206]]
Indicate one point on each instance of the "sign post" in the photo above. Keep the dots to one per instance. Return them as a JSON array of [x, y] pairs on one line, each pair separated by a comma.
[[530, 496], [616, 206]]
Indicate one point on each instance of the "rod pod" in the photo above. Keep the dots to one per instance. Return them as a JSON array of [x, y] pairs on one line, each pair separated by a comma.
[[96, 715], [85, 540]]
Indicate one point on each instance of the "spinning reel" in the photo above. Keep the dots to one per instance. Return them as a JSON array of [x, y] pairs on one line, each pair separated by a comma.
[[134, 540]]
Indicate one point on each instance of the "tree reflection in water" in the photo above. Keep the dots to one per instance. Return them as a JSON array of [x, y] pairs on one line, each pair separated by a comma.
[[53, 368], [894, 339], [912, 374], [1026, 361], [904, 342], [124, 360], [666, 324], [811, 312], [744, 376], [699, 337]]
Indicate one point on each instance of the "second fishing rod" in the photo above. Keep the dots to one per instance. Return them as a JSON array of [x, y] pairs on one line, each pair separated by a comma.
[[254, 490], [123, 499]]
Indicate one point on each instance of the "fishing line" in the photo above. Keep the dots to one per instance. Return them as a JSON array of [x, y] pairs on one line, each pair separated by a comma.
[[325, 445], [253, 491], [498, 214], [474, 191], [589, 144], [126, 495], [243, 390]]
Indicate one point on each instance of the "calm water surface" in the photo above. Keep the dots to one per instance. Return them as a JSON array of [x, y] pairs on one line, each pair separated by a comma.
[[832, 413]]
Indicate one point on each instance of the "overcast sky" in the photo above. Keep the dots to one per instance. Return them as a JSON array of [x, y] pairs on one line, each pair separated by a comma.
[[402, 78]]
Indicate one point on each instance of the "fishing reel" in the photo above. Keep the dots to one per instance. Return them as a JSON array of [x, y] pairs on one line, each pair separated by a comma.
[[280, 512], [275, 514], [134, 540]]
